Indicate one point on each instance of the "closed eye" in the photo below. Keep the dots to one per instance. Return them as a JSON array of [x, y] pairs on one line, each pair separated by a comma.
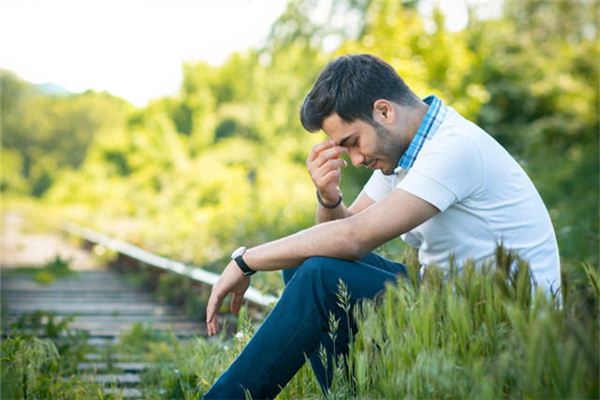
[[349, 141]]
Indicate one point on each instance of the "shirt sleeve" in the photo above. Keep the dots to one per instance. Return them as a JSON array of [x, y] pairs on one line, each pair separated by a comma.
[[377, 186], [448, 170]]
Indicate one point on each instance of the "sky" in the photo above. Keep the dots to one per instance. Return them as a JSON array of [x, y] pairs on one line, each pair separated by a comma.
[[131, 48], [135, 48]]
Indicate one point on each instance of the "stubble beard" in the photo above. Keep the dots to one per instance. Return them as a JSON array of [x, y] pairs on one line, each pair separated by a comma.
[[389, 147]]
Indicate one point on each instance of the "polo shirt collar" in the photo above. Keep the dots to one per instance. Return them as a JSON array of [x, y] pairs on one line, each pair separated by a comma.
[[431, 122]]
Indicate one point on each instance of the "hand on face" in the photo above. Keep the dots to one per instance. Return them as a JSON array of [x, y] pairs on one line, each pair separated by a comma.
[[232, 280], [325, 164]]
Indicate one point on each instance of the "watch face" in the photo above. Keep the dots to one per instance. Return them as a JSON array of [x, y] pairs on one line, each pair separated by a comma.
[[238, 252]]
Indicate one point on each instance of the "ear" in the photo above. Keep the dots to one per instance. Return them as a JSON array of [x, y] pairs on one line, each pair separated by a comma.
[[384, 112]]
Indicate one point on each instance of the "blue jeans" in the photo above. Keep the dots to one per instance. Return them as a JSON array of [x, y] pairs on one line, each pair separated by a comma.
[[298, 325]]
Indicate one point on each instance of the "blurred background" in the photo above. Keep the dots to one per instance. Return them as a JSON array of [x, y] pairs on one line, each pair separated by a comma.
[[174, 125]]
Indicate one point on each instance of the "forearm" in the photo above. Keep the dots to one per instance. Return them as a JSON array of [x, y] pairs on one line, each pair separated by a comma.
[[348, 238], [361, 203], [330, 214], [330, 239]]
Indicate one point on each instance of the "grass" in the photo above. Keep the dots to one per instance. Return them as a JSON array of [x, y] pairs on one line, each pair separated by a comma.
[[182, 369], [477, 333], [473, 333], [34, 368]]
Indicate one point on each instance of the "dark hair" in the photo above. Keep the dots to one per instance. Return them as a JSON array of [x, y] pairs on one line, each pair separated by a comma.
[[349, 86]]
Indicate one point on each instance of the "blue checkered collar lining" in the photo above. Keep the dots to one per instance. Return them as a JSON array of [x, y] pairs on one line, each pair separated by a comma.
[[429, 126]]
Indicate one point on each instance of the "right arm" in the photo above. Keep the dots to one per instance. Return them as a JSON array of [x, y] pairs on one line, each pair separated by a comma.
[[361, 203], [324, 165]]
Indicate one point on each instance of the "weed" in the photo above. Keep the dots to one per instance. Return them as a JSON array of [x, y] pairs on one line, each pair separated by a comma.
[[55, 268], [140, 337], [475, 333], [71, 344], [31, 370]]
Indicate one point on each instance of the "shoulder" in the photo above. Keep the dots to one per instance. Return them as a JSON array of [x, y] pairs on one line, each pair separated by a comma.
[[451, 166]]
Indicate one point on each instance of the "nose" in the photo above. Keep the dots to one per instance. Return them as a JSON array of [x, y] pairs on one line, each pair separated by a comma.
[[356, 158]]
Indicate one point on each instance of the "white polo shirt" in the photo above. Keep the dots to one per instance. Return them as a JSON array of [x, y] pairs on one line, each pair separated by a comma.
[[484, 197]]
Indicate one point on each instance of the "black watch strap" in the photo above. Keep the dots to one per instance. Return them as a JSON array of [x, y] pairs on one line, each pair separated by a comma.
[[330, 206], [239, 260]]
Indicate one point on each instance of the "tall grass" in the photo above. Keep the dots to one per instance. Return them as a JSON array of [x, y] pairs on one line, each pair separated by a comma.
[[476, 333], [34, 368], [470, 333]]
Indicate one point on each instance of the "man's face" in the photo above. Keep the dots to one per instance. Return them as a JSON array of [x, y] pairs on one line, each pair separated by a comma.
[[374, 147]]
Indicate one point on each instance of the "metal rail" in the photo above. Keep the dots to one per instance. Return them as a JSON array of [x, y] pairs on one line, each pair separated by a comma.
[[196, 273]]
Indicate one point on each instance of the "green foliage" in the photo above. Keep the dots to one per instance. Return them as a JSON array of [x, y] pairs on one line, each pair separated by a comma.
[[50, 132], [34, 368], [181, 369], [543, 106], [10, 176], [57, 267], [43, 322], [23, 364], [140, 338], [222, 163], [477, 335], [185, 372], [70, 343], [182, 291]]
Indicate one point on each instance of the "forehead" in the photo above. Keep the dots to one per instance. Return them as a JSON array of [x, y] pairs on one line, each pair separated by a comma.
[[338, 129]]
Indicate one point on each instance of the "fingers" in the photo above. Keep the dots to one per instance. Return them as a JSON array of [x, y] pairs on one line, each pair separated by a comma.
[[213, 306], [324, 165], [318, 148], [333, 164], [236, 302], [332, 153], [323, 152], [214, 303], [330, 177], [232, 280]]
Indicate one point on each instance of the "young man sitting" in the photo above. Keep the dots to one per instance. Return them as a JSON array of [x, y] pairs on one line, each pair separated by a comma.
[[440, 182]]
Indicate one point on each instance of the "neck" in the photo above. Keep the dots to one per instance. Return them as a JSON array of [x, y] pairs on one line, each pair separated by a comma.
[[410, 118], [416, 118]]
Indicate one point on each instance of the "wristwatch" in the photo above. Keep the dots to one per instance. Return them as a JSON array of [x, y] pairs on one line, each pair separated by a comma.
[[237, 256]]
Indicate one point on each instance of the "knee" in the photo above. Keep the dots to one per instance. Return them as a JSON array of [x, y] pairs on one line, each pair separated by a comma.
[[319, 277], [309, 267], [317, 269], [287, 274], [315, 264]]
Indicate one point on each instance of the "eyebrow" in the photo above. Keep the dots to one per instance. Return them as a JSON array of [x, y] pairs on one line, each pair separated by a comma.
[[344, 140]]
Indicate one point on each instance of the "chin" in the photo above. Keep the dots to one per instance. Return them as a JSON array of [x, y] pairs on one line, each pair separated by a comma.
[[387, 171]]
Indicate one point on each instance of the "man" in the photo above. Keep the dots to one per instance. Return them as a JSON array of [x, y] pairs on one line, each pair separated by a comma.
[[440, 182]]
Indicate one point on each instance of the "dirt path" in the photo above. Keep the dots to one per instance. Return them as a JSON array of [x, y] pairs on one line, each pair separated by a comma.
[[19, 248]]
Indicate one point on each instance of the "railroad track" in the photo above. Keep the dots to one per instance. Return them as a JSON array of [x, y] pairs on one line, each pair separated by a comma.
[[104, 306]]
